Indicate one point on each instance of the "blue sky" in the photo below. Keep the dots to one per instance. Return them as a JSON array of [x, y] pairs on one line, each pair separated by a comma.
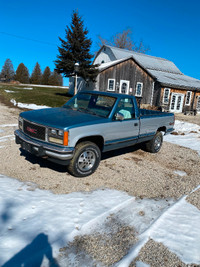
[[170, 27]]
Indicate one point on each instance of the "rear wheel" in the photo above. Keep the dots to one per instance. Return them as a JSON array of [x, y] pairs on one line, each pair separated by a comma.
[[86, 159], [155, 144]]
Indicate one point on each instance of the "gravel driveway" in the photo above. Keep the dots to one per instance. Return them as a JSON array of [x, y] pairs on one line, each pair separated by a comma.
[[132, 170]]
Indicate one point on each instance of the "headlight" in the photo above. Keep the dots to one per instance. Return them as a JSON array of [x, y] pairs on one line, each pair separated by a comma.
[[57, 136], [20, 123]]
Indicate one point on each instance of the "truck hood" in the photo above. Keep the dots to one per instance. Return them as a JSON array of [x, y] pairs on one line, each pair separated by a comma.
[[60, 117]]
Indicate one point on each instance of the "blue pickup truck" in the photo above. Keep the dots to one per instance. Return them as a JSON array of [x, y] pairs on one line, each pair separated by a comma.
[[88, 124]]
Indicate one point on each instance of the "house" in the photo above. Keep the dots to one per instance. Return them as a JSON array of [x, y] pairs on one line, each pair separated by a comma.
[[158, 81]]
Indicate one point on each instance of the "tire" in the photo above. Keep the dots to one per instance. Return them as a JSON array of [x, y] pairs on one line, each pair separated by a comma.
[[155, 144], [86, 159]]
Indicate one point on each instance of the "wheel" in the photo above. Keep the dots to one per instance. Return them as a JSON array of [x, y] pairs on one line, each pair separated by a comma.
[[154, 145], [86, 159]]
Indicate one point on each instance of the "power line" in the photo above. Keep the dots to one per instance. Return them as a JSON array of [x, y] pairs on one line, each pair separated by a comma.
[[27, 39]]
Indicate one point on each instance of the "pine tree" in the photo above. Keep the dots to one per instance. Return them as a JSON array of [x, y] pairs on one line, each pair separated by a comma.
[[55, 79], [36, 76], [76, 48], [22, 74], [7, 72], [46, 75]]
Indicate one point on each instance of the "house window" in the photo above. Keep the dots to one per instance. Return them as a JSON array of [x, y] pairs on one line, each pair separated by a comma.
[[166, 95], [198, 104], [111, 85], [139, 87], [124, 87], [188, 98]]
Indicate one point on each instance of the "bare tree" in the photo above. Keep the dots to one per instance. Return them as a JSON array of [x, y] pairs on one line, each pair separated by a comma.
[[124, 40]]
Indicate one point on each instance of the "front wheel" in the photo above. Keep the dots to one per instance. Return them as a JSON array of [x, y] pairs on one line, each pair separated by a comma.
[[86, 159], [154, 145]]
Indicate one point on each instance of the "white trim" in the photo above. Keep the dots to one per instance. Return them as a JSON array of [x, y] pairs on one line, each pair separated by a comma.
[[120, 86], [108, 89], [167, 97], [152, 93], [136, 89], [188, 92]]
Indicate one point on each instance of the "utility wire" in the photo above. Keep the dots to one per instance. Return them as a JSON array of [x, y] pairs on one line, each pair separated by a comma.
[[28, 39]]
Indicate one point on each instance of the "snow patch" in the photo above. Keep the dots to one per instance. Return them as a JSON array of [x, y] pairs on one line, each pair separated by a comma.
[[180, 173], [28, 106], [191, 137]]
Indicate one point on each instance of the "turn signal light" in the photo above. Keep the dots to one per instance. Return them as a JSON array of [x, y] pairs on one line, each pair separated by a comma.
[[65, 139]]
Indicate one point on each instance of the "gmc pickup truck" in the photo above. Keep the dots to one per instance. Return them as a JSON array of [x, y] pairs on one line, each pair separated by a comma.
[[88, 124]]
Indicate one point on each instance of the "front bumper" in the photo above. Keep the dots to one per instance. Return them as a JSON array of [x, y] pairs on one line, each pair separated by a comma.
[[42, 149]]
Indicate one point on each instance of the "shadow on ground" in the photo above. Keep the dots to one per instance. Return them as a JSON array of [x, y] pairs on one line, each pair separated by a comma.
[[33, 254]]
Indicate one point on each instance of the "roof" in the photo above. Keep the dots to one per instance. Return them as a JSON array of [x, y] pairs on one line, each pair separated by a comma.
[[176, 80], [163, 70], [147, 62]]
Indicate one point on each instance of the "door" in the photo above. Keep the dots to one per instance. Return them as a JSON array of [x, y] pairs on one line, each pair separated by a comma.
[[125, 132], [198, 104], [176, 104]]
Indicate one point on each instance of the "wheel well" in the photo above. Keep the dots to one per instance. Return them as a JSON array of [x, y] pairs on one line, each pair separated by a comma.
[[162, 129], [97, 139]]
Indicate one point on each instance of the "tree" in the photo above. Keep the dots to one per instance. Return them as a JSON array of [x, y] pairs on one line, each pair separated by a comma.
[[7, 72], [76, 48], [46, 75], [55, 79], [124, 40], [36, 76], [22, 74]]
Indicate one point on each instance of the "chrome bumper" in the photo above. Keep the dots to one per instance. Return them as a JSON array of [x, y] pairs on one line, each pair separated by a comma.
[[42, 149]]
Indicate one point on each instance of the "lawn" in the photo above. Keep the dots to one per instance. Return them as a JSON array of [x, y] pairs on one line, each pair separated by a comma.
[[32, 94]]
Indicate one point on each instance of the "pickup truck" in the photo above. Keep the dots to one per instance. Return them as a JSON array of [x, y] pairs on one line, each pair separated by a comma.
[[89, 124]]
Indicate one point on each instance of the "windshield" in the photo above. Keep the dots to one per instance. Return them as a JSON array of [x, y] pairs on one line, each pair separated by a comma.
[[95, 104]]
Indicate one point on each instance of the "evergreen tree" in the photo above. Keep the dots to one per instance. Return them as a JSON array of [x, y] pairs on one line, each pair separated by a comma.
[[46, 75], [55, 79], [22, 74], [36, 76], [76, 48], [7, 72]]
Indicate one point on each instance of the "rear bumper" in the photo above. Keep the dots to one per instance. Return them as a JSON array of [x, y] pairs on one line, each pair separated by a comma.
[[42, 149]]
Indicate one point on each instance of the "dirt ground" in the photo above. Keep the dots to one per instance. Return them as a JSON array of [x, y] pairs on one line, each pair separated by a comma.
[[131, 170]]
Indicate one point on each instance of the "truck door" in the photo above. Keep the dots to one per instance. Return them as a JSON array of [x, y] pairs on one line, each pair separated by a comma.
[[124, 128]]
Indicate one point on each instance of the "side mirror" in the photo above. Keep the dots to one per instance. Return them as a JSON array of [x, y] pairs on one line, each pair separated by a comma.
[[119, 116]]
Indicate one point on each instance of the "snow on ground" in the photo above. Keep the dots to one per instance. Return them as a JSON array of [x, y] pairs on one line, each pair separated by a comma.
[[24, 88], [188, 135], [30, 216], [28, 106]]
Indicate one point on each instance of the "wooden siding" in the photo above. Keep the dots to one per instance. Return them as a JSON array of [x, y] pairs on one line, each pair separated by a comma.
[[130, 71]]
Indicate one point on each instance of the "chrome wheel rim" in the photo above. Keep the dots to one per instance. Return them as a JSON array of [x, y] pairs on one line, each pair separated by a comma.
[[86, 160], [157, 143]]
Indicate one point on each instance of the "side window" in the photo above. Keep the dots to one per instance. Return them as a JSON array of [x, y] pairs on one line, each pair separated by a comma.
[[139, 87], [126, 108], [188, 98], [166, 96], [111, 85]]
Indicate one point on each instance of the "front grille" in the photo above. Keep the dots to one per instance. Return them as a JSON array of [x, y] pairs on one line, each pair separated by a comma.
[[34, 130]]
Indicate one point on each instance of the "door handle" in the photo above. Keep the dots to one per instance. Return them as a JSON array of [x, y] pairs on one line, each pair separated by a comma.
[[136, 124]]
